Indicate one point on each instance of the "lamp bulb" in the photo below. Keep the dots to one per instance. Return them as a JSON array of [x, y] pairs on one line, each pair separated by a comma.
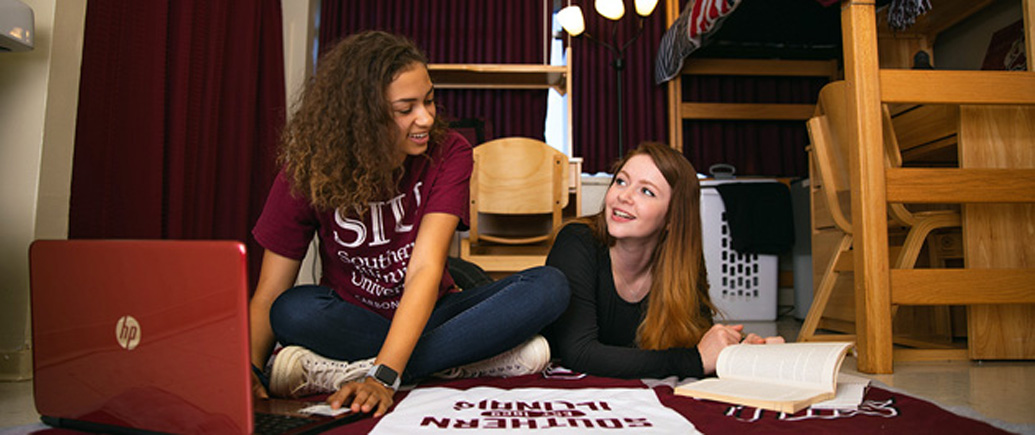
[[610, 9], [645, 7], [571, 20]]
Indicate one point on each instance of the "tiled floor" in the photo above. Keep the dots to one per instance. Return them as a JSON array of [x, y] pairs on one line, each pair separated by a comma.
[[1000, 390]]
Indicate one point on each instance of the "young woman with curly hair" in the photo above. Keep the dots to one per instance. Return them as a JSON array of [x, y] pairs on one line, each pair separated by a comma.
[[639, 288], [369, 169]]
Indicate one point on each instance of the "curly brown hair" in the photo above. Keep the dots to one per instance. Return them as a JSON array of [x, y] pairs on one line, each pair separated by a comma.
[[339, 147]]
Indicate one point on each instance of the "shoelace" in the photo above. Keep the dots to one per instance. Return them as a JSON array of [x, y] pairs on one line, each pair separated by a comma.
[[324, 375], [493, 366], [505, 369]]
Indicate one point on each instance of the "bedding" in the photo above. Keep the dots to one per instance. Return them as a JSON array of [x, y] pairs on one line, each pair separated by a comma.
[[700, 19], [689, 32]]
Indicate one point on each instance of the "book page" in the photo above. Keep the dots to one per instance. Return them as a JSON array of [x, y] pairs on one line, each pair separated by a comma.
[[850, 392], [801, 365], [751, 391]]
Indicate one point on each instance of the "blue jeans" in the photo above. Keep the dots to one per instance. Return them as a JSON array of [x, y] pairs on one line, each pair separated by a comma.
[[464, 327]]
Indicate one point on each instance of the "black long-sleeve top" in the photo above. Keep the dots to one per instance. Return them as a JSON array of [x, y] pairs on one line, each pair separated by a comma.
[[597, 333]]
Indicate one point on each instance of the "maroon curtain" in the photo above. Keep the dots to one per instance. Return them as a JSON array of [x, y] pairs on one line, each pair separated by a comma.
[[764, 148], [595, 104], [460, 31], [180, 105]]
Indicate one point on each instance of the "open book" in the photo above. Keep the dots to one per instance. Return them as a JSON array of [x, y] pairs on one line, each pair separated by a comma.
[[781, 377]]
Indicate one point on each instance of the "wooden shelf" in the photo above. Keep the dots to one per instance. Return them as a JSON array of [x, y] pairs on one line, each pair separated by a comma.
[[500, 76], [762, 67], [507, 76], [956, 87], [746, 111]]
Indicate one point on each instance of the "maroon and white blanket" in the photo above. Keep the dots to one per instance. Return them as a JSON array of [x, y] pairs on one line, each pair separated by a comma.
[[541, 404]]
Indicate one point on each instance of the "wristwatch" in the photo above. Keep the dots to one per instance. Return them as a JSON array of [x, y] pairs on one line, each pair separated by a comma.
[[385, 375]]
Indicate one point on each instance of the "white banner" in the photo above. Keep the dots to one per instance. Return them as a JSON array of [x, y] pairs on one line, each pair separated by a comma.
[[532, 410]]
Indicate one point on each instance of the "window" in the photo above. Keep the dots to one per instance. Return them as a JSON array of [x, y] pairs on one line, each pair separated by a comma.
[[557, 122]]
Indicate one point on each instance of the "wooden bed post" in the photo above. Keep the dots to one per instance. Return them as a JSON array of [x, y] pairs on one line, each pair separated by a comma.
[[869, 204], [1029, 22], [674, 88]]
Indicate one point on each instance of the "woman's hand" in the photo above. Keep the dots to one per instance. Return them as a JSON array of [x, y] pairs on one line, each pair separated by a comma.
[[718, 337], [753, 338], [364, 395]]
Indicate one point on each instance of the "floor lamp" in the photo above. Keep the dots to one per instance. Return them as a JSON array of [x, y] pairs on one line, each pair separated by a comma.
[[574, 23]]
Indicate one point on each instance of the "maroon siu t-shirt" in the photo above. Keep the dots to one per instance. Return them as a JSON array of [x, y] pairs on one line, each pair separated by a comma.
[[364, 257]]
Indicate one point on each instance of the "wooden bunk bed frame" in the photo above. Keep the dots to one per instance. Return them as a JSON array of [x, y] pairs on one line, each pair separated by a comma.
[[995, 182]]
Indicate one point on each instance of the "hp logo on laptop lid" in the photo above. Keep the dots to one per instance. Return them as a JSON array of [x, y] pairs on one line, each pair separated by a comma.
[[127, 332]]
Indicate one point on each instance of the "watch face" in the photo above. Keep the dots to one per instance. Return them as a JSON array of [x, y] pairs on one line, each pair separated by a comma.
[[386, 374]]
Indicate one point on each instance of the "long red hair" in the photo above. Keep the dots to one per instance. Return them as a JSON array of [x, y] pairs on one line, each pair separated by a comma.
[[679, 309]]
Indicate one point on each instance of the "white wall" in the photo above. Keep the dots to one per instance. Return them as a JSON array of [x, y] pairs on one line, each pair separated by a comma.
[[39, 93], [299, 32], [299, 35], [963, 47]]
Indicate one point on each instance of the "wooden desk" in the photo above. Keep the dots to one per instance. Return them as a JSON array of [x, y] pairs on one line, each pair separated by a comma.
[[997, 236]]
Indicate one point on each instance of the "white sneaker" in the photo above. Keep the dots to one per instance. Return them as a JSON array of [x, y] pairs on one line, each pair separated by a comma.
[[298, 372], [529, 357]]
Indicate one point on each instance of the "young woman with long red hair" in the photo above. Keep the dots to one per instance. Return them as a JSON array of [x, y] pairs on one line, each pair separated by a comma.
[[639, 290]]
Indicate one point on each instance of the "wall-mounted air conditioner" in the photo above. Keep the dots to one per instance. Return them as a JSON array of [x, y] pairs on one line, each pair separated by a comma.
[[17, 29]]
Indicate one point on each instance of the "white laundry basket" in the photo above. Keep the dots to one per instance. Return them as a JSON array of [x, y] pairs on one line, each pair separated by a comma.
[[742, 286]]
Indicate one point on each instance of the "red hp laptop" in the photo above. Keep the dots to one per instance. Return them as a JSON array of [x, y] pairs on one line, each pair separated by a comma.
[[146, 335]]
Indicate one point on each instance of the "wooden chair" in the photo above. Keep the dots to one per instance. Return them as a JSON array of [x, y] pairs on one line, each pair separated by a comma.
[[827, 131], [518, 190]]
